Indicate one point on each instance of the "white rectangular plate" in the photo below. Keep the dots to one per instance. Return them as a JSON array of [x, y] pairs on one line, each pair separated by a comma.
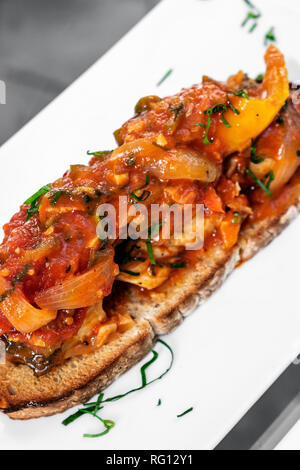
[[238, 343]]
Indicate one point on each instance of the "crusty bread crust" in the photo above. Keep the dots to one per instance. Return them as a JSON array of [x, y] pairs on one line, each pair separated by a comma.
[[24, 396]]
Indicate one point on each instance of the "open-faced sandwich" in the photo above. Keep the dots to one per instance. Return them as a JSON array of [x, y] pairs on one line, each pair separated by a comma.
[[78, 308]]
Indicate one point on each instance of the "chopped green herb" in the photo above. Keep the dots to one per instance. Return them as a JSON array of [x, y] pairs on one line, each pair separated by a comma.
[[185, 412], [159, 402], [225, 122], [38, 194], [18, 278], [219, 108], [271, 178], [260, 78], [33, 201], [167, 74], [131, 273], [259, 182], [241, 93], [55, 197], [253, 15], [95, 407], [270, 36], [285, 106], [100, 154], [150, 254], [108, 424], [153, 231], [249, 4], [298, 153], [253, 157], [253, 27], [143, 371], [176, 110], [145, 194], [206, 141], [178, 265], [236, 111], [21, 276], [86, 199]]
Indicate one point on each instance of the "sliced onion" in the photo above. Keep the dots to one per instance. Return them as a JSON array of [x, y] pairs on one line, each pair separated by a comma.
[[181, 163], [287, 166], [83, 290], [21, 314]]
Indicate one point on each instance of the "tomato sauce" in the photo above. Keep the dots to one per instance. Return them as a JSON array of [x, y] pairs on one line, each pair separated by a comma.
[[174, 150]]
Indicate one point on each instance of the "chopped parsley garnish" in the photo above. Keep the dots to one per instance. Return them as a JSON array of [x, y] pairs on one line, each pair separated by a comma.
[[20, 277], [230, 105], [185, 412], [285, 106], [264, 187], [249, 4], [178, 265], [253, 15], [298, 153], [131, 273], [153, 231], [253, 157], [260, 78], [241, 93], [253, 27], [167, 74], [33, 201], [270, 36], [145, 194], [271, 178], [100, 154], [159, 402], [176, 110], [55, 197], [218, 108], [95, 407], [86, 199], [151, 255]]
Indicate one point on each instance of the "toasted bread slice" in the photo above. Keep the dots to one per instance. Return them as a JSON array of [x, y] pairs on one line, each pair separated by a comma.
[[24, 396]]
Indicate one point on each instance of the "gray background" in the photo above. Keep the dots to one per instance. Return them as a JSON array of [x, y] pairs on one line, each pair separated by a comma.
[[46, 44]]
